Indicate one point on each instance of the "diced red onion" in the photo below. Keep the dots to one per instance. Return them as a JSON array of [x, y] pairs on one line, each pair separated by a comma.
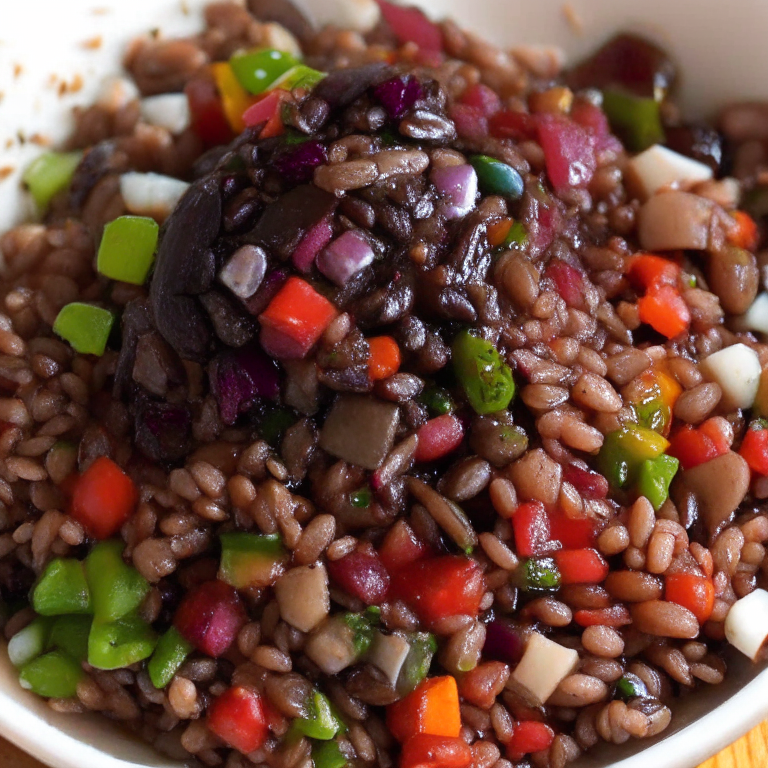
[[457, 185], [345, 257], [280, 345], [589, 484], [239, 377], [245, 270], [297, 163], [311, 244], [361, 574], [398, 95], [271, 284]]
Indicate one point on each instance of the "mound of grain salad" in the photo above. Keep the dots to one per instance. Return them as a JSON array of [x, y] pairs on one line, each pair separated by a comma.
[[374, 396]]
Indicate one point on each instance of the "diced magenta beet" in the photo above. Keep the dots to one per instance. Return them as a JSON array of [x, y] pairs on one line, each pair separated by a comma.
[[439, 437], [568, 152], [509, 124], [345, 257], [361, 574], [297, 163], [471, 123], [281, 346], [545, 226], [594, 120], [271, 284], [503, 643], [410, 25], [483, 98], [457, 186], [589, 484], [162, 430], [398, 95], [238, 377], [210, 617], [568, 281], [311, 244]]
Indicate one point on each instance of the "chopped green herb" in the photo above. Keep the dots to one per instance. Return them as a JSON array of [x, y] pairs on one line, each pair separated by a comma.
[[540, 574], [361, 498], [487, 380]]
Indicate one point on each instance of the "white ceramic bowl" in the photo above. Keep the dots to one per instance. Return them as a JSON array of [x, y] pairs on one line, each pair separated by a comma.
[[721, 50]]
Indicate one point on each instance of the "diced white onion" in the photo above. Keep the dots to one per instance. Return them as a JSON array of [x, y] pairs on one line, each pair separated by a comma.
[[746, 625], [388, 653], [659, 167], [116, 92], [303, 597], [331, 646], [151, 194], [358, 15], [756, 317], [545, 664], [167, 110], [737, 370]]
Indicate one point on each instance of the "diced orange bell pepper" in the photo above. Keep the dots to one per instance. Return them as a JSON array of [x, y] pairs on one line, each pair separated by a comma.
[[432, 708], [745, 234], [665, 310], [383, 357], [696, 593]]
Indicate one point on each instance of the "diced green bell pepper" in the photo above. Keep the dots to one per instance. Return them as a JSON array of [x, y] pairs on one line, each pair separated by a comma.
[[540, 575], [62, 589], [517, 235], [653, 414], [85, 326], [127, 249], [50, 174], [361, 498], [624, 450], [70, 634], [497, 178], [320, 722], [116, 588], [635, 120], [274, 424], [251, 560], [118, 644], [362, 626], [655, 477], [54, 675], [170, 653], [487, 380], [300, 76], [256, 71], [438, 401], [30, 642], [328, 755], [417, 663]]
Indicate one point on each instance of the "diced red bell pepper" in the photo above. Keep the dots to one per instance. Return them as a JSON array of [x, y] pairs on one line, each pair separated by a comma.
[[299, 314], [439, 437], [581, 566], [103, 498], [267, 111], [207, 114], [647, 270], [531, 526], [507, 124], [440, 587], [754, 448], [410, 25], [548, 223], [569, 282], [568, 152], [591, 485], [665, 310], [361, 574], [483, 98], [431, 708], [746, 234], [712, 428], [471, 123], [572, 532], [210, 616], [693, 446], [613, 616], [401, 547], [426, 751], [529, 737], [239, 718], [696, 593]]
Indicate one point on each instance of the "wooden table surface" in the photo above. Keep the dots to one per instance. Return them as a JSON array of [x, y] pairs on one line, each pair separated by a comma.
[[749, 752]]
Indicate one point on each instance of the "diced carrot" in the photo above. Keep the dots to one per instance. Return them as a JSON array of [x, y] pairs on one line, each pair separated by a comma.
[[581, 566], [234, 98], [665, 310], [425, 751], [696, 593], [103, 498], [498, 231], [299, 312], [383, 357], [745, 234], [647, 270], [432, 708]]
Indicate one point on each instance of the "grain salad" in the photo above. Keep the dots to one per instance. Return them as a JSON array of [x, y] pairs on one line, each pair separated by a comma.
[[375, 396]]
